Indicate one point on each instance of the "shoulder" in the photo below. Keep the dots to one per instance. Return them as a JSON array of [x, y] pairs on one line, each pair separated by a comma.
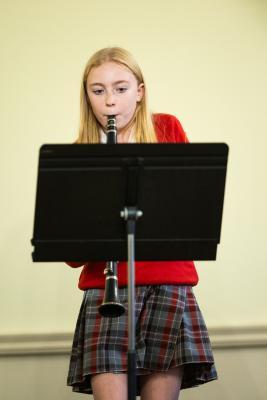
[[169, 129]]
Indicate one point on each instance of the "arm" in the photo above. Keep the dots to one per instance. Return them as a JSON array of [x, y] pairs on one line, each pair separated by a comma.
[[75, 264], [169, 129]]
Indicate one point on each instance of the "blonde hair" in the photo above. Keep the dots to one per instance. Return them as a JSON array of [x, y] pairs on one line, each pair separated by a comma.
[[89, 130]]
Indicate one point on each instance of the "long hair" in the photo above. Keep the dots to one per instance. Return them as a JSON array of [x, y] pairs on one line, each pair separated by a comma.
[[89, 130]]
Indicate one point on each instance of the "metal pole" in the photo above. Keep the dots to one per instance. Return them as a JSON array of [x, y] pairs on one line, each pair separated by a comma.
[[130, 215], [131, 315]]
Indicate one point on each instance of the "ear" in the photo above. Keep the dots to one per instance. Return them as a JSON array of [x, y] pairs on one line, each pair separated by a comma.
[[140, 92]]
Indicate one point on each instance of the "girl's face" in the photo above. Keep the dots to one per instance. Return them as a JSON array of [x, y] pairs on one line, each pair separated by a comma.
[[113, 90]]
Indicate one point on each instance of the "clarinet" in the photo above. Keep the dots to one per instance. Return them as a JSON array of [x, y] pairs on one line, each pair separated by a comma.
[[111, 307]]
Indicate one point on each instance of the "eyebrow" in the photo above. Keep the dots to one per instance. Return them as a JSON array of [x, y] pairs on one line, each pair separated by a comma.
[[101, 84]]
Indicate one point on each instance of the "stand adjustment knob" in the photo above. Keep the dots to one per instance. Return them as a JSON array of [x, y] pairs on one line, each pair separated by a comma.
[[131, 213]]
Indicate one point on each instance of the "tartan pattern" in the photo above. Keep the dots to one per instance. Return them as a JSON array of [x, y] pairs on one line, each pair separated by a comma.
[[170, 331]]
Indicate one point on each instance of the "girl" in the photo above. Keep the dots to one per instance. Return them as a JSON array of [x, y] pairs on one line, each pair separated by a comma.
[[173, 350]]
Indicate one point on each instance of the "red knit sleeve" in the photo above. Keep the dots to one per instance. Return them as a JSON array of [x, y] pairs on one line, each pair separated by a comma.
[[169, 129], [178, 131]]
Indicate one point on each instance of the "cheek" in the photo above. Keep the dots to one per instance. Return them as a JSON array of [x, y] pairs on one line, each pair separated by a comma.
[[93, 98], [95, 104], [130, 104]]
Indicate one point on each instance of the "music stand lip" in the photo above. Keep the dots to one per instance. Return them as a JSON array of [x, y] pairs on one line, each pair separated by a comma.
[[133, 149]]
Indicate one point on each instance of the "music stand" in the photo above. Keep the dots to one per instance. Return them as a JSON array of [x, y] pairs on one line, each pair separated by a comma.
[[86, 193]]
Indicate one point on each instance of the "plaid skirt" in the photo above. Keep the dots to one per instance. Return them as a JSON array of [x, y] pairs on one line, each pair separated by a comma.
[[170, 332]]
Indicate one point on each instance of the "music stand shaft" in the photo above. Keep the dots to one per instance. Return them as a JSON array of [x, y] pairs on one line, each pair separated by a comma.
[[131, 214], [131, 319]]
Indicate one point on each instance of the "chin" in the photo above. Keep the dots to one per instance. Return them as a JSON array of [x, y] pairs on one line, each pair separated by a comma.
[[122, 124]]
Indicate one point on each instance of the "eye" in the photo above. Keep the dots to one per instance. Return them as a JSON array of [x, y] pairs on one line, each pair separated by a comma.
[[98, 91], [121, 89]]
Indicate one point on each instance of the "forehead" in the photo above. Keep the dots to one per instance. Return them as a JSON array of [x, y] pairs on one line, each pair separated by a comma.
[[110, 72]]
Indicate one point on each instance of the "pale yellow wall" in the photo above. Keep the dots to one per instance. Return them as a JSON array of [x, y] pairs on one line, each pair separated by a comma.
[[205, 61], [242, 377]]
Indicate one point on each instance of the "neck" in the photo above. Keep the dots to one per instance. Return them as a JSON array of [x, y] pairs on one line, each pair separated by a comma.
[[124, 135]]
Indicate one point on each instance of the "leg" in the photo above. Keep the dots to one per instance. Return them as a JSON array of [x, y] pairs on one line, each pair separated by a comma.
[[109, 386], [162, 385]]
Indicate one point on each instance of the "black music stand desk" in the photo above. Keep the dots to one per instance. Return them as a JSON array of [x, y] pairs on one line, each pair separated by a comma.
[[168, 199]]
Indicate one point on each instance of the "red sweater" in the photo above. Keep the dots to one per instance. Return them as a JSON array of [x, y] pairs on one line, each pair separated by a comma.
[[168, 129]]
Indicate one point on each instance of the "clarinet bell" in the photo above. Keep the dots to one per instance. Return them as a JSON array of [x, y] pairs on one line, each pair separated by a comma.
[[111, 307]]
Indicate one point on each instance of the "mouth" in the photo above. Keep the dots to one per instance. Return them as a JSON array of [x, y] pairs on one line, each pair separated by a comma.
[[111, 115]]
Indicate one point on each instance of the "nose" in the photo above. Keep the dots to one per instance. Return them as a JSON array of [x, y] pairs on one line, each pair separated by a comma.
[[110, 99]]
